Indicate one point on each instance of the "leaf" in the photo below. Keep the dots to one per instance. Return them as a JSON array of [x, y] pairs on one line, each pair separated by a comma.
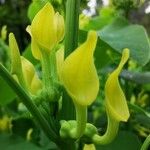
[[8, 142], [6, 93], [124, 141], [120, 34]]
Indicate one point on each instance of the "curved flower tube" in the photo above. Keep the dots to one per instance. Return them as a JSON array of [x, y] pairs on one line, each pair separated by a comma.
[[116, 105], [115, 98], [79, 77]]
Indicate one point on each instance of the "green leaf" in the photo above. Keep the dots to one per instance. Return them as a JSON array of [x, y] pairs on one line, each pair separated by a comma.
[[8, 142], [6, 93], [106, 16], [124, 141], [120, 34]]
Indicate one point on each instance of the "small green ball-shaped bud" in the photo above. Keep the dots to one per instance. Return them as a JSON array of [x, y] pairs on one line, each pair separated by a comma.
[[90, 130], [64, 130]]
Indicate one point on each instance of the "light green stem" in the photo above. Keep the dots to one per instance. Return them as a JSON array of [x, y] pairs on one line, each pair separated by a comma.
[[47, 75], [72, 25], [110, 134], [146, 143], [81, 118]]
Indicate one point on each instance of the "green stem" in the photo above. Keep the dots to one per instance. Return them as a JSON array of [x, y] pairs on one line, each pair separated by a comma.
[[47, 75], [27, 101], [146, 143], [110, 134], [71, 43], [72, 25], [81, 118]]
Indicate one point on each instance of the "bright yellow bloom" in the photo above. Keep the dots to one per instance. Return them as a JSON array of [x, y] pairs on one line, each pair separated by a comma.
[[46, 30], [115, 99], [32, 81], [79, 75]]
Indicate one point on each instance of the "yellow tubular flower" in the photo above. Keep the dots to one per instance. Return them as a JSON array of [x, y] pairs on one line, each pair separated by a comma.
[[79, 75], [33, 82], [43, 27], [115, 99], [46, 30]]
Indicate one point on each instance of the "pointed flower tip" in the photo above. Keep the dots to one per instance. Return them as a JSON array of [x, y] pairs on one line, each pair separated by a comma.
[[92, 36], [125, 56], [11, 37]]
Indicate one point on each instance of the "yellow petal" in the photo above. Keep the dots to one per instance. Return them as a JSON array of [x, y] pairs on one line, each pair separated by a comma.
[[34, 47], [59, 21], [59, 61], [115, 98], [79, 75], [36, 84], [43, 27], [16, 67], [31, 78]]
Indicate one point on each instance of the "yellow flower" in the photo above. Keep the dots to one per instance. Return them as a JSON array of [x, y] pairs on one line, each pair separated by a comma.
[[16, 67], [115, 99], [46, 30], [78, 73], [33, 83]]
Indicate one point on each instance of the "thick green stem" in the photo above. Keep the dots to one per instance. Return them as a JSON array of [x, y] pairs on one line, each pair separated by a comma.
[[72, 25], [47, 76], [110, 134], [27, 101], [46, 70], [146, 143], [81, 118], [71, 43]]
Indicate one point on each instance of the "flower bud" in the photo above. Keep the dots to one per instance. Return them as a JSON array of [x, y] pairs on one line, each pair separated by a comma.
[[78, 74], [32, 81], [60, 26], [115, 99], [16, 67], [47, 29]]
